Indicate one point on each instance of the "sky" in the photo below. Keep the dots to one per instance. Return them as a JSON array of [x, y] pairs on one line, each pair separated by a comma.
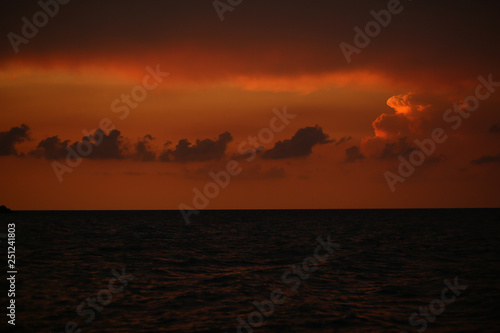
[[249, 104]]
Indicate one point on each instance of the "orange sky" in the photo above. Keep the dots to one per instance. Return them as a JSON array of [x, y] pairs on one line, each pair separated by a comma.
[[352, 121]]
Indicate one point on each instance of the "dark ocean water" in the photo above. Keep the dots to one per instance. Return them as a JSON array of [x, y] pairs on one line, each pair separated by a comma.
[[202, 277]]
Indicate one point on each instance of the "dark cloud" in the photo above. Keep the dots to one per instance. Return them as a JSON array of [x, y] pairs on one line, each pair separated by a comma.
[[202, 150], [299, 145], [143, 151], [495, 128], [109, 147], [353, 154], [343, 140], [394, 149], [487, 160], [51, 148], [100, 145], [97, 146], [10, 138]]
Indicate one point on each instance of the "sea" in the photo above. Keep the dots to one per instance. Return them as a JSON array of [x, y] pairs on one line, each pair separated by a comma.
[[408, 270]]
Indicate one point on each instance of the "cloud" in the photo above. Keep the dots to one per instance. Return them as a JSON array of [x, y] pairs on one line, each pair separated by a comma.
[[487, 160], [405, 104], [411, 115], [202, 150], [299, 145], [10, 138], [343, 140], [97, 146], [353, 154], [390, 126], [414, 117], [297, 28], [51, 148], [435, 159], [143, 149], [495, 128], [394, 149], [111, 146]]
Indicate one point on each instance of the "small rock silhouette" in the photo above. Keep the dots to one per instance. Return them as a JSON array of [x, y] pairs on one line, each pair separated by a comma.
[[4, 209]]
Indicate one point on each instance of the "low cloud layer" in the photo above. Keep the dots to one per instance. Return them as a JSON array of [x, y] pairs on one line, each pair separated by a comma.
[[112, 145], [300, 145]]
